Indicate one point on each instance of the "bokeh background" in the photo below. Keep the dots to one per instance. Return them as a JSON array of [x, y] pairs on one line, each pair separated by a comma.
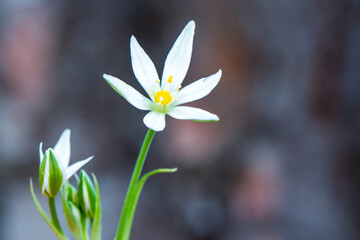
[[282, 164]]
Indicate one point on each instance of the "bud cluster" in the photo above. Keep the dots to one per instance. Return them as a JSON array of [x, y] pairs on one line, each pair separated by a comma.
[[79, 205]]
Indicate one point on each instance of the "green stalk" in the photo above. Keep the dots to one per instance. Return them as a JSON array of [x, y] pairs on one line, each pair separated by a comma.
[[43, 214], [85, 228], [125, 223], [54, 217], [139, 187]]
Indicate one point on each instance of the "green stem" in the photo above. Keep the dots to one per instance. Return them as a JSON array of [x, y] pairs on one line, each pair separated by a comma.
[[43, 214], [139, 187], [124, 228], [85, 228], [54, 217]]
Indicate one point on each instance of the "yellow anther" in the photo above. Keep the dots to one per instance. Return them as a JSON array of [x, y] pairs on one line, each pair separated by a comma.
[[178, 88], [163, 97], [170, 79], [157, 80]]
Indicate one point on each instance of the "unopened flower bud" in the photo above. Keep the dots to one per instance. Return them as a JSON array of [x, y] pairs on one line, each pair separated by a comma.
[[87, 195], [70, 193], [51, 175], [72, 212], [73, 218]]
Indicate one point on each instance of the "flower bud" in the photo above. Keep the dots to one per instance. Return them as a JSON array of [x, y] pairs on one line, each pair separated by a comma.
[[87, 195], [72, 212], [51, 176], [73, 217], [70, 193]]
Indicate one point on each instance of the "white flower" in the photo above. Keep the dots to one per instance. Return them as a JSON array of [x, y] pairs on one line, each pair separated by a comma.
[[54, 168], [165, 95]]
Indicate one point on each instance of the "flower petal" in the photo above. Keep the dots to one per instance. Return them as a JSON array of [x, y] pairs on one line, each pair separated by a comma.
[[178, 60], [45, 185], [198, 89], [62, 148], [41, 154], [191, 113], [143, 67], [76, 166], [155, 120], [129, 93]]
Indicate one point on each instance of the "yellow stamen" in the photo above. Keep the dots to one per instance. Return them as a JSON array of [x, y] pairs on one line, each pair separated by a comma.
[[157, 80], [170, 79], [178, 88], [163, 97]]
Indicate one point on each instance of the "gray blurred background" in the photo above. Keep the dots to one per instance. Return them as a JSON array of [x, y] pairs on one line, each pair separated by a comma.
[[283, 163]]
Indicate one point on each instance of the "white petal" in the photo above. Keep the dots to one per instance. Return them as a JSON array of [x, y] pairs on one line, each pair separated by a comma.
[[45, 185], [143, 67], [191, 113], [76, 166], [155, 120], [198, 89], [86, 198], [41, 154], [59, 160], [129, 93], [62, 148], [178, 60]]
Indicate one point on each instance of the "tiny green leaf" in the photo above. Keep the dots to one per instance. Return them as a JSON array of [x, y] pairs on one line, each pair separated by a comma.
[[136, 194], [156, 171]]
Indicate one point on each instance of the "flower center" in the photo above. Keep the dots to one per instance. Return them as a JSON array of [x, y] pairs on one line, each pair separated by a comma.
[[163, 97]]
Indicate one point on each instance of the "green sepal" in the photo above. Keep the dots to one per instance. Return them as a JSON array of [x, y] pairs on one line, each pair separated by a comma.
[[55, 178], [43, 214], [42, 172], [87, 195], [56, 175], [203, 121], [113, 87], [96, 220]]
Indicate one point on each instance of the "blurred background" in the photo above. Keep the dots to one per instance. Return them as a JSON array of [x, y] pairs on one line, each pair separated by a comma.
[[283, 163]]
